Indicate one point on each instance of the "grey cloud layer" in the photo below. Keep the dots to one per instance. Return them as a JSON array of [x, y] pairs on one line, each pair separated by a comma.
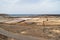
[[29, 6]]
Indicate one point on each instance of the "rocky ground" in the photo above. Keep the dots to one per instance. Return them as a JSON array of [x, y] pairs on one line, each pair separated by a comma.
[[47, 32], [31, 29]]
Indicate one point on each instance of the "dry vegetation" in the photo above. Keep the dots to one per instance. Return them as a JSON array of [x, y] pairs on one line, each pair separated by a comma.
[[47, 32]]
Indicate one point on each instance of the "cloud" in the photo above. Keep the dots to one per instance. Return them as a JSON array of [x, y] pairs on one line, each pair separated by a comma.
[[29, 6]]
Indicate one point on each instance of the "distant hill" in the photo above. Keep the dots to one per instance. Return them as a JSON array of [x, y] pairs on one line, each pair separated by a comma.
[[46, 15], [28, 15], [3, 14]]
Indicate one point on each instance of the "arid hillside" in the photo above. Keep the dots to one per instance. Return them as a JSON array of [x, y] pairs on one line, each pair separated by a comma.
[[46, 27], [45, 32]]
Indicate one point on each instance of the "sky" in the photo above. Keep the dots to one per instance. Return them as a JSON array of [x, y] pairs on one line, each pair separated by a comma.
[[30, 6]]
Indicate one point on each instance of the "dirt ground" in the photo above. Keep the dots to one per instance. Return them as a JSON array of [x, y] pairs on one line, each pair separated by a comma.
[[47, 32]]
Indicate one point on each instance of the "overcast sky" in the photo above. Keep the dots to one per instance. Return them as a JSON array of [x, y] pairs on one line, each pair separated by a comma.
[[30, 6]]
